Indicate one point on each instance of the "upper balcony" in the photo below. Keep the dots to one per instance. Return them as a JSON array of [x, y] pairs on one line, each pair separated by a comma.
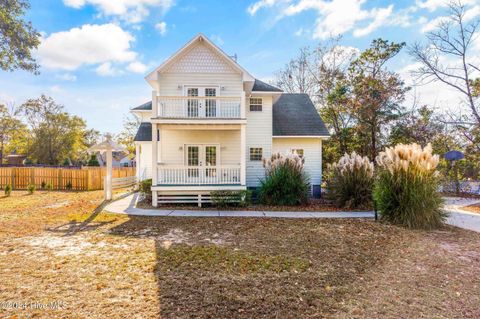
[[200, 108]]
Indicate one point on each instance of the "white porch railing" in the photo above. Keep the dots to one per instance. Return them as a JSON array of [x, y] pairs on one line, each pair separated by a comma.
[[199, 107], [199, 175]]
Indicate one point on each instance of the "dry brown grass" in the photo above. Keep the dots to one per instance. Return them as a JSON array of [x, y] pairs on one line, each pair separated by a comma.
[[139, 267]]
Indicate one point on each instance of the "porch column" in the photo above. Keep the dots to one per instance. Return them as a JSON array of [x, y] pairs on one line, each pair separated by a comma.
[[242, 105], [154, 148], [243, 146], [137, 161]]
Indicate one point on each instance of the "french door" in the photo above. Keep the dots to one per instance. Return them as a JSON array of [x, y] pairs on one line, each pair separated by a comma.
[[202, 162], [201, 104]]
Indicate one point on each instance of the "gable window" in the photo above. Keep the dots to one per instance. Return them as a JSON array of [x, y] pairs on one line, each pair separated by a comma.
[[255, 104], [256, 153], [298, 151]]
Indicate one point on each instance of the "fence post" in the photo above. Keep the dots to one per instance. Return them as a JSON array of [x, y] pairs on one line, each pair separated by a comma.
[[88, 179], [32, 176], [13, 178], [60, 179]]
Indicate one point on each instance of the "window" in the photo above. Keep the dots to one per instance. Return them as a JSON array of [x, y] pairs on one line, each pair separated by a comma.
[[298, 151], [256, 154], [255, 104]]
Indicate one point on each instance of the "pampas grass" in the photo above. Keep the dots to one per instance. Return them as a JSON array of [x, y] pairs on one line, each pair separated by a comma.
[[406, 188], [286, 182], [350, 181]]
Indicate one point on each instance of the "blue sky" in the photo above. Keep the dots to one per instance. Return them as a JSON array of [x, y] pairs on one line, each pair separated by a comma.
[[95, 53]]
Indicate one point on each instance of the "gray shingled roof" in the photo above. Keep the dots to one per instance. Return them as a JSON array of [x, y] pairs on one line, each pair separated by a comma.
[[144, 107], [264, 87], [295, 115], [144, 132]]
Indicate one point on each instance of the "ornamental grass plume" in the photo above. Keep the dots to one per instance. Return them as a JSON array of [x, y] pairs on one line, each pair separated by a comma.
[[406, 188], [286, 182], [350, 181]]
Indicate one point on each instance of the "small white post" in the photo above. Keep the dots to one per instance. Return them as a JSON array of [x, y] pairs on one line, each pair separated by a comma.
[[108, 184]]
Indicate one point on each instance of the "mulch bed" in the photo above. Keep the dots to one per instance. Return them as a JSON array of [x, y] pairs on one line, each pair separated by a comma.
[[315, 205]]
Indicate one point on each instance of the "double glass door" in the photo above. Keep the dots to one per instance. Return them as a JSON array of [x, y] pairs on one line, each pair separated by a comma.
[[202, 161], [201, 104]]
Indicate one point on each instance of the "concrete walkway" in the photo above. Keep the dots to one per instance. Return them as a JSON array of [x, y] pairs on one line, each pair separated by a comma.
[[457, 216], [127, 206]]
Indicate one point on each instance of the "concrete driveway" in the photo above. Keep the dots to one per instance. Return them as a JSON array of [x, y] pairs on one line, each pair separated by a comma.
[[459, 217]]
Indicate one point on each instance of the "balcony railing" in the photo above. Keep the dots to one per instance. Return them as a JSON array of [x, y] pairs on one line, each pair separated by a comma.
[[216, 107], [199, 175]]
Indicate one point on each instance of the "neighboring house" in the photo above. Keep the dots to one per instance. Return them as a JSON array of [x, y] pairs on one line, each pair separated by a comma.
[[210, 123], [15, 159], [119, 159]]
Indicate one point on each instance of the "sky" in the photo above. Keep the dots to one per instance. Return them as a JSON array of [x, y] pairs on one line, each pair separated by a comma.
[[94, 54]]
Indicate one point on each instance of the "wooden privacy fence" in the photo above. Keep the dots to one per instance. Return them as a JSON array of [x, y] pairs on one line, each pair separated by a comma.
[[86, 178]]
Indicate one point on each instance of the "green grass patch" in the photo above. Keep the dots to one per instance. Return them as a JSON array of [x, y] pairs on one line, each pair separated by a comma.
[[225, 259]]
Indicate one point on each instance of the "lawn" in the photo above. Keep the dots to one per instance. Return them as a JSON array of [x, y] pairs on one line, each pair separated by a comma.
[[59, 248]]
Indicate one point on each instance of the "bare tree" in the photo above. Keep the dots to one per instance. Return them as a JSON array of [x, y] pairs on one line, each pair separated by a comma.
[[446, 56]]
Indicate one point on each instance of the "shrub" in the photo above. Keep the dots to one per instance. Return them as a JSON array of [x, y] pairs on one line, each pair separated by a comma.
[[350, 181], [286, 182], [43, 185], [406, 188], [31, 189], [229, 198], [49, 187], [8, 190], [69, 185], [145, 188]]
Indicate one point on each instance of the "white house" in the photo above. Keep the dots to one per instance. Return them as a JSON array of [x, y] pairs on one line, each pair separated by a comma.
[[210, 123]]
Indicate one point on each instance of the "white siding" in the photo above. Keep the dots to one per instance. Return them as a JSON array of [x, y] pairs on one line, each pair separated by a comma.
[[172, 140], [169, 83], [312, 148], [259, 134], [144, 160]]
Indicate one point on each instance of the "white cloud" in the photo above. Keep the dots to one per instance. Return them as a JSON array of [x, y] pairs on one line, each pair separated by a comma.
[[66, 77], [217, 39], [472, 13], [133, 11], [253, 8], [56, 89], [337, 16], [106, 69], [340, 16], [381, 17], [137, 67], [90, 44], [433, 24], [432, 5], [161, 27]]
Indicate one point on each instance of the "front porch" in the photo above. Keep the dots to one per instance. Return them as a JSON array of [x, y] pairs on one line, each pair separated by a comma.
[[194, 160]]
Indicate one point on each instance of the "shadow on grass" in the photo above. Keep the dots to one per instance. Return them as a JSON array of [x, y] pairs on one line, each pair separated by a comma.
[[73, 227], [251, 268]]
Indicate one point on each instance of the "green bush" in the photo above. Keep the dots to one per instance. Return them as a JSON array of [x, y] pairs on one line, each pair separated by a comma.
[[145, 187], [49, 187], [406, 188], [350, 182], [69, 185], [31, 189], [8, 190], [92, 161], [227, 198], [286, 182]]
